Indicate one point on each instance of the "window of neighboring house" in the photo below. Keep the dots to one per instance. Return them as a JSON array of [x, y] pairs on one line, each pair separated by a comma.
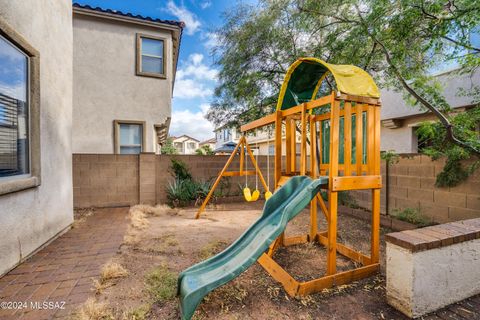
[[150, 56], [129, 137], [19, 152], [178, 146], [191, 145]]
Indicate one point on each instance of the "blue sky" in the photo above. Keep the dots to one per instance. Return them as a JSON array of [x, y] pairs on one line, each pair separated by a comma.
[[196, 74]]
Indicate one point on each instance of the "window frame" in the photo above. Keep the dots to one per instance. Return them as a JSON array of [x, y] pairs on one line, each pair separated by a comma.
[[138, 64], [32, 179], [116, 132]]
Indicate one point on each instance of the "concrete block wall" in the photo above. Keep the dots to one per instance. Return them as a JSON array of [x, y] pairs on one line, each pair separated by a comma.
[[105, 180], [206, 168], [412, 185], [121, 180]]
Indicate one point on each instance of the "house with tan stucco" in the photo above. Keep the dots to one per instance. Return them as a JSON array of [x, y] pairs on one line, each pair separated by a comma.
[[36, 196], [185, 144], [72, 80], [124, 69]]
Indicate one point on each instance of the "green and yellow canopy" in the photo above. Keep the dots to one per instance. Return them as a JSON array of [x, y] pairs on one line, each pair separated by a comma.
[[304, 77]]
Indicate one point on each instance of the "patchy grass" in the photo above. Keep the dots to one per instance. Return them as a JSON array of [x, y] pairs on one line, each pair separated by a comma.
[[140, 313], [211, 249], [412, 215], [93, 310], [110, 271], [161, 283]]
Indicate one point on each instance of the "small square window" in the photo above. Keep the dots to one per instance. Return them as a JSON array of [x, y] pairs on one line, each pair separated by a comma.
[[150, 56], [129, 137]]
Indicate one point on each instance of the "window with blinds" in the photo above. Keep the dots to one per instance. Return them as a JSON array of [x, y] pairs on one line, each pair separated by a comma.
[[14, 137]]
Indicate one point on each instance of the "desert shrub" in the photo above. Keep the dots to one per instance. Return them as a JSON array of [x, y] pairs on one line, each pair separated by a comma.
[[184, 189], [180, 170], [412, 215]]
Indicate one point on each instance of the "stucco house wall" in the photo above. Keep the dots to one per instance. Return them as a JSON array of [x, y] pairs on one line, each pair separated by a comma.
[[106, 87], [31, 217]]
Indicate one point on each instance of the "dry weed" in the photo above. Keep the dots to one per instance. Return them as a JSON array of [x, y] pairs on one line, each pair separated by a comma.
[[110, 271], [93, 310], [138, 219], [131, 238], [159, 210]]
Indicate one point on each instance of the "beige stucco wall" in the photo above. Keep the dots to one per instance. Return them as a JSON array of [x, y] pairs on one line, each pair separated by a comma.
[[105, 87], [31, 217], [422, 282]]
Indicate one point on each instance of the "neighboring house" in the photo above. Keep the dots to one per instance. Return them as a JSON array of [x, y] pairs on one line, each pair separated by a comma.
[[36, 201], [226, 136], [123, 75], [210, 142], [400, 121], [185, 144]]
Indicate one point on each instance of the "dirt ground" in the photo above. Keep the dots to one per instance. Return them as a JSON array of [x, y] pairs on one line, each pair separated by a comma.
[[176, 240]]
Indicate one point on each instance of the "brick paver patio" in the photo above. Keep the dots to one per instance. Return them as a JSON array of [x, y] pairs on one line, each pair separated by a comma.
[[63, 271]]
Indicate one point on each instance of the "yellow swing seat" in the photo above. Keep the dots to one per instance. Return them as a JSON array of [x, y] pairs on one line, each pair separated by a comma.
[[268, 194], [249, 196]]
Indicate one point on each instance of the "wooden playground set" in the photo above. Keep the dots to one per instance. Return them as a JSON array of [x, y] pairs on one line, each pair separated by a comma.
[[339, 141]]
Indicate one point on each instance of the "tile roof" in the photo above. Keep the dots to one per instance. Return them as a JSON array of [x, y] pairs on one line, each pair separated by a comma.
[[180, 24]]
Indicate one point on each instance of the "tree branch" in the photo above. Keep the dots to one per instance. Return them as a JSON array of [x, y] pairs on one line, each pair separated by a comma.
[[458, 43], [443, 119]]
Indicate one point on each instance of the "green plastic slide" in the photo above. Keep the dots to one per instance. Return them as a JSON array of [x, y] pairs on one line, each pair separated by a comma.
[[197, 281]]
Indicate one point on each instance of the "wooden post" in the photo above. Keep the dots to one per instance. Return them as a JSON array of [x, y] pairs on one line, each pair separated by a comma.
[[288, 143], [371, 140], [333, 196], [303, 143], [278, 147], [293, 145], [242, 161], [313, 174], [347, 139], [359, 138], [376, 192]]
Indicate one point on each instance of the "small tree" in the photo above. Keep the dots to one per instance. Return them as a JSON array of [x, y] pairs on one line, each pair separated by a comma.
[[205, 150], [168, 148]]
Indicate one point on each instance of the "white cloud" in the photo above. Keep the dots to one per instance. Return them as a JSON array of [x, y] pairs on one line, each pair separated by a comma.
[[211, 40], [194, 79], [190, 88], [205, 4], [195, 68], [192, 24], [191, 123]]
